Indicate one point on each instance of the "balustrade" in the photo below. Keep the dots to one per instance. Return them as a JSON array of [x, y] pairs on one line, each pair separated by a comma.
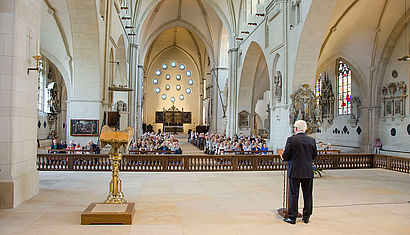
[[172, 162]]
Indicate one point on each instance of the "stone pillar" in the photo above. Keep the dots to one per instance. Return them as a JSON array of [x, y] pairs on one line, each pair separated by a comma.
[[85, 101], [214, 95], [139, 94], [222, 75], [132, 100], [19, 32], [369, 122], [232, 124]]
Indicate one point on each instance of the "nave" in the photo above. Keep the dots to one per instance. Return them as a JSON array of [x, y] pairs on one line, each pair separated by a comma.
[[365, 201]]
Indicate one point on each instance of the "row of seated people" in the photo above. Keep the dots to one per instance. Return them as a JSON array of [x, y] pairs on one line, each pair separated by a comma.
[[328, 149], [62, 147], [155, 143], [215, 144]]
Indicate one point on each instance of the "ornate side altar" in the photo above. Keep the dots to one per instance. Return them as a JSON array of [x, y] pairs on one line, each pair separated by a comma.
[[115, 209]]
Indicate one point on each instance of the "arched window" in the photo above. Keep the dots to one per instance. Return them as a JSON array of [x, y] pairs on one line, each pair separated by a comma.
[[41, 88], [318, 88], [345, 87]]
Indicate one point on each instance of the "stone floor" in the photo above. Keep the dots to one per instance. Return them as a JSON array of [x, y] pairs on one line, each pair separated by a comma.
[[371, 201]]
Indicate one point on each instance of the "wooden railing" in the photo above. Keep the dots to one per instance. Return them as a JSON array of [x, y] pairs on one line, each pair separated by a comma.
[[400, 164], [243, 152], [151, 152], [328, 151], [172, 162]]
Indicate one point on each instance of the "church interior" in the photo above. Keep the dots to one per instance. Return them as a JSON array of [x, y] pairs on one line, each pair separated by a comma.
[[200, 70]]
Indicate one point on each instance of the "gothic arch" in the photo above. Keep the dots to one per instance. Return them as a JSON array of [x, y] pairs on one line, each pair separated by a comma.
[[211, 4], [186, 25], [308, 50], [358, 74], [394, 36], [254, 79]]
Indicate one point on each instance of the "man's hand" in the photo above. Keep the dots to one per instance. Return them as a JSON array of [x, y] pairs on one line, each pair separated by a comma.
[[280, 152]]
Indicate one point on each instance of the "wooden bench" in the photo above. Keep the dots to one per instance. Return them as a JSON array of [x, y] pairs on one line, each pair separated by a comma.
[[151, 152], [69, 151], [248, 152], [332, 151]]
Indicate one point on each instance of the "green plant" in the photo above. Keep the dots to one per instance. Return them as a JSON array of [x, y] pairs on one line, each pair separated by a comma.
[[317, 171]]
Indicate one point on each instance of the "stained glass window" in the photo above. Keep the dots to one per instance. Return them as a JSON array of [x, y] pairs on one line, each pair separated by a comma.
[[188, 73], [188, 91], [181, 97], [178, 77], [178, 87], [41, 88], [172, 99], [157, 90], [173, 64], [191, 82], [345, 88], [167, 87], [168, 76], [155, 81], [182, 66], [158, 72], [318, 88], [164, 66], [164, 96]]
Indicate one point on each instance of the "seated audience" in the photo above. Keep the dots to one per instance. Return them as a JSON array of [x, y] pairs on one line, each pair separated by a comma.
[[320, 146], [216, 144], [151, 143]]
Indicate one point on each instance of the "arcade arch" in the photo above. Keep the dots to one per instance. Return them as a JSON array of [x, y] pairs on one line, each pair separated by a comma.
[[254, 82]]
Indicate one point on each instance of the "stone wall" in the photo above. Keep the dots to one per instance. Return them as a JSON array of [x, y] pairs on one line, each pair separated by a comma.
[[19, 32]]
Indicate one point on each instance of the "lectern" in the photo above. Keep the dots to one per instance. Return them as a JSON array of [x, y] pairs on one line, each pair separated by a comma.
[[284, 211], [115, 209]]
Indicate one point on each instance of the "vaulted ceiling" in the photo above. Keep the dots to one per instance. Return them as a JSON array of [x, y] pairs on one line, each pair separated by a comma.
[[361, 29], [192, 25]]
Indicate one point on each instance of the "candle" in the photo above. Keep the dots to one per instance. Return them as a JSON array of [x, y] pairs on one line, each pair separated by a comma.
[[38, 47]]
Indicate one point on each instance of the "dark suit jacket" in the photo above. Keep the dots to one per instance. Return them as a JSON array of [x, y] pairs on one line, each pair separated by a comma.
[[300, 151]]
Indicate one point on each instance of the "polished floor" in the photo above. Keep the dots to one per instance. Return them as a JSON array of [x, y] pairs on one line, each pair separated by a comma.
[[371, 201]]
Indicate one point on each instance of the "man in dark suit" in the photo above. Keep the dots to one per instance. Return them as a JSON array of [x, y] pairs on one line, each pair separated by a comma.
[[300, 151]]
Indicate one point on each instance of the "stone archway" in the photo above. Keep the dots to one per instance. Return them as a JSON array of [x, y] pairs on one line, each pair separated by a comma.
[[308, 50], [253, 83]]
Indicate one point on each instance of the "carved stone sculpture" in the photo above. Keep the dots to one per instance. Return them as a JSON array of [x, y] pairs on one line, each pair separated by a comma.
[[355, 111], [326, 103], [304, 107], [278, 86]]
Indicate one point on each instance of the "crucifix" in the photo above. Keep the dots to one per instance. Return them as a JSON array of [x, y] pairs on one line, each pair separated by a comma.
[[36, 56], [28, 52]]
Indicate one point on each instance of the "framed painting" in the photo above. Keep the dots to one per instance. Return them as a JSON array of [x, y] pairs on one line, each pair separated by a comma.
[[80, 127]]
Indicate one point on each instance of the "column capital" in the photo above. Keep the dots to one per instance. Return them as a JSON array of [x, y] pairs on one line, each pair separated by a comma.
[[233, 49]]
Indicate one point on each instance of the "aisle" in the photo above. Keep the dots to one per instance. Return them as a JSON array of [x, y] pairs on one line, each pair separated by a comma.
[[186, 147]]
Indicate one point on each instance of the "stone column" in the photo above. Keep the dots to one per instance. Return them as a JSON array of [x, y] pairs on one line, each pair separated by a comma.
[[232, 124], [19, 32], [214, 95], [139, 118], [132, 100], [369, 122]]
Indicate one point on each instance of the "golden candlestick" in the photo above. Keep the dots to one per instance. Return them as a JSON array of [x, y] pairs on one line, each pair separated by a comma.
[[116, 139]]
